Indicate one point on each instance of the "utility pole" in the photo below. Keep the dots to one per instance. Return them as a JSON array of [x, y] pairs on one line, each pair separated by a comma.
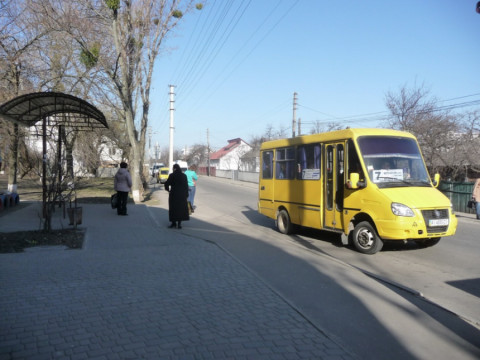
[[294, 120], [208, 154], [299, 126], [172, 109], [157, 152]]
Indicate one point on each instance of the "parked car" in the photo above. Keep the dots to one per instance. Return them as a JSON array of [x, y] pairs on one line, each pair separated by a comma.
[[155, 168], [163, 175], [183, 165]]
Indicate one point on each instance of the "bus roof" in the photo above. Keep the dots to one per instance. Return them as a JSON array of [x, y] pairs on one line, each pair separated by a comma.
[[333, 136]]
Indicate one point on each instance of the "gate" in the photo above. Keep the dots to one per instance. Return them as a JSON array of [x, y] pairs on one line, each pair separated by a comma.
[[459, 193]]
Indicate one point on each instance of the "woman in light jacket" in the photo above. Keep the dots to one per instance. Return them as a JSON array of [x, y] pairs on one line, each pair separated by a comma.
[[123, 185]]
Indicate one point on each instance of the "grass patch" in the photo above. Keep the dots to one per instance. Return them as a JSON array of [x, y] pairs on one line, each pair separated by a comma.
[[18, 241], [94, 190], [88, 190]]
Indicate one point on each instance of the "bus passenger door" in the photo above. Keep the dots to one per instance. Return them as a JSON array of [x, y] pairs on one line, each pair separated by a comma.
[[265, 195], [333, 186]]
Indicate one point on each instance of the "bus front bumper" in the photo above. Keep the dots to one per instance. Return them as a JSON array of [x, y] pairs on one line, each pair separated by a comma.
[[411, 228]]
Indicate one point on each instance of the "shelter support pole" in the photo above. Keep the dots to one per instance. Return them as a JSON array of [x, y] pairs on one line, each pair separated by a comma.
[[44, 166], [59, 156], [12, 178]]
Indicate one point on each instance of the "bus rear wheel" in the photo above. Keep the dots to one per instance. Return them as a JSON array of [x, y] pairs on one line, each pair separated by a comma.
[[283, 223], [365, 238]]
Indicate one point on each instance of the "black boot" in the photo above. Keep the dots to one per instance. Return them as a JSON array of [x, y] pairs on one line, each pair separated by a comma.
[[173, 225]]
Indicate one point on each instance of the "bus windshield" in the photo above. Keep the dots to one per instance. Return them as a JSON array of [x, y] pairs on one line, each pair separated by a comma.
[[393, 161]]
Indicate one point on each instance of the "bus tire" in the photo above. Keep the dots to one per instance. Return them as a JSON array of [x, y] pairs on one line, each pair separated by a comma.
[[365, 238], [428, 242], [283, 223]]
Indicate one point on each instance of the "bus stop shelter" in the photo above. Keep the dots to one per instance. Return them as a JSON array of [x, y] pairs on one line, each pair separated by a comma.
[[52, 109]]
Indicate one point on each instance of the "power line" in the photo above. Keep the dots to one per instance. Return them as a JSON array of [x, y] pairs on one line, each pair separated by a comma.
[[384, 115], [213, 28], [194, 70], [212, 32], [215, 50], [220, 80]]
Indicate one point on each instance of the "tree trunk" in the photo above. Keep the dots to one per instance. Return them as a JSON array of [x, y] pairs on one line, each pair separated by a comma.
[[135, 163], [69, 145]]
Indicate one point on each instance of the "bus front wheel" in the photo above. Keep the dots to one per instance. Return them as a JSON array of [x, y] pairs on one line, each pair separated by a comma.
[[365, 238], [284, 225]]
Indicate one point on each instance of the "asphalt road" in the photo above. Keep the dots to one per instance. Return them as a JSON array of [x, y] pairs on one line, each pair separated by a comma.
[[402, 303]]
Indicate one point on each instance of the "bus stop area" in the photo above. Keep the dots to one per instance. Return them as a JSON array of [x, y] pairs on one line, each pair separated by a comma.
[[140, 290]]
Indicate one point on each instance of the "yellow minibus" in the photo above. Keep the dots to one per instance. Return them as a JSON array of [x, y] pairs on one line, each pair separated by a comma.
[[370, 185], [163, 175]]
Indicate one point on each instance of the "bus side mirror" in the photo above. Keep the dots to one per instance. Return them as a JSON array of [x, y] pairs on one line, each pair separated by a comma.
[[436, 180], [352, 182]]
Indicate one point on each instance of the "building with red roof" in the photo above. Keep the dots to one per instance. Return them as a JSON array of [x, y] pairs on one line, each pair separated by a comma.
[[229, 156]]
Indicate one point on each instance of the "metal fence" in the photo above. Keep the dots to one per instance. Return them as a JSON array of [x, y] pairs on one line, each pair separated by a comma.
[[458, 193], [238, 175]]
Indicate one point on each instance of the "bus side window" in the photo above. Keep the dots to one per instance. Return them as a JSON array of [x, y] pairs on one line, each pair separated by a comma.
[[308, 162], [354, 165], [267, 162], [285, 163]]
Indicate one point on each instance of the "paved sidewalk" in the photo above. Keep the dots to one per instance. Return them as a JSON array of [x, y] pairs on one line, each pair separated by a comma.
[[138, 290]]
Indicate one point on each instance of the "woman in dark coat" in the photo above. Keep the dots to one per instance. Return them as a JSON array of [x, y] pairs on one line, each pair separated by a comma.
[[177, 186]]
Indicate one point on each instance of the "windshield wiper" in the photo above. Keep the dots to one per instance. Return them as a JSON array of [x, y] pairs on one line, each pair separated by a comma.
[[392, 178], [421, 183], [406, 182]]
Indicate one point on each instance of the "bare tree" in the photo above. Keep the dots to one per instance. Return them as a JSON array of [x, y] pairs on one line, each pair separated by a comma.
[[18, 38], [319, 127], [438, 132], [409, 107], [138, 30], [198, 154], [470, 144], [272, 133], [118, 41]]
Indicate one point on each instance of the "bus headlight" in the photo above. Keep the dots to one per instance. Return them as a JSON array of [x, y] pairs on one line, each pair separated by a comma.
[[402, 210]]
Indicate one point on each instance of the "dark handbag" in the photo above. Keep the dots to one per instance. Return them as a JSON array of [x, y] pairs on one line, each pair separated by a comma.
[[471, 204], [114, 201]]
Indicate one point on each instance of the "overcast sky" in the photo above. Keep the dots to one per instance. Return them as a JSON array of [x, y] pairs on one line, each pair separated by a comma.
[[236, 64]]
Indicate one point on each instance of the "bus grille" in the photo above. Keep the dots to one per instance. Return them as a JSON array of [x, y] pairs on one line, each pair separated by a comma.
[[432, 215]]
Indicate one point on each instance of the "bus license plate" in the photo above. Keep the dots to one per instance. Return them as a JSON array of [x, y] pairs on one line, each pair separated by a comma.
[[437, 222]]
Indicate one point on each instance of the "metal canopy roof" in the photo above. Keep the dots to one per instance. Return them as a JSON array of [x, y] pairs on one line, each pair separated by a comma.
[[59, 108]]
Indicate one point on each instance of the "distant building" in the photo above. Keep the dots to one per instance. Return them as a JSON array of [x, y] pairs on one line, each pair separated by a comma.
[[229, 156], [110, 154], [250, 161], [107, 154]]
